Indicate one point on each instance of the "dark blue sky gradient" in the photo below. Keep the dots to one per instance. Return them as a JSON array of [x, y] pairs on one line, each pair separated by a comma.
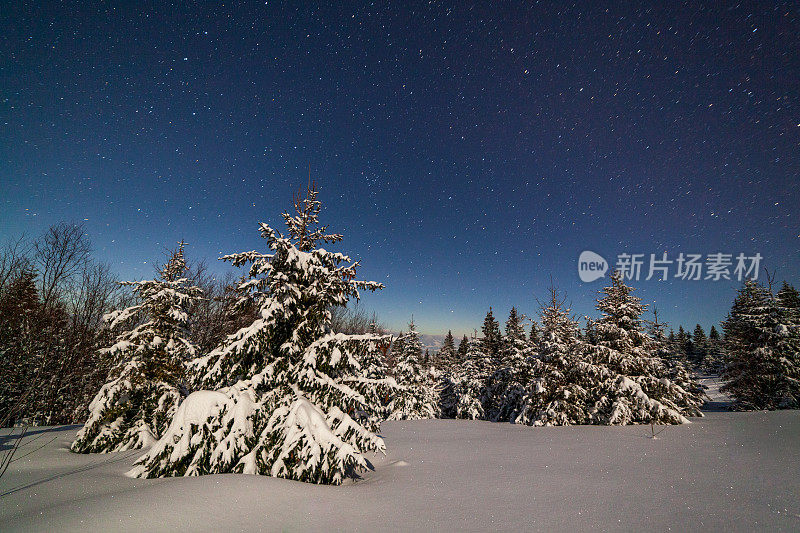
[[468, 153]]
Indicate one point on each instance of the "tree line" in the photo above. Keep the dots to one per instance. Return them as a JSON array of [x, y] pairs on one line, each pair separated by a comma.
[[54, 297], [274, 373], [757, 357]]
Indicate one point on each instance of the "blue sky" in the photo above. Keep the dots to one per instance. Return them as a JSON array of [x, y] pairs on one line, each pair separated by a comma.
[[468, 153]]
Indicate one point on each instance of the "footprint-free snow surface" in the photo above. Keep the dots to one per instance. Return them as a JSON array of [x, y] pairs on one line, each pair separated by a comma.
[[727, 471]]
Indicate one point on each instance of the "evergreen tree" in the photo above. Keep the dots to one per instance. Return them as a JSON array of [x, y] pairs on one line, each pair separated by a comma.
[[617, 380], [714, 359], [509, 381], [699, 346], [22, 346], [677, 369], [147, 383], [683, 344], [515, 331], [463, 347], [788, 301], [464, 396], [664, 347], [657, 328], [762, 350], [492, 338], [447, 354], [418, 396], [560, 391], [294, 399], [397, 349], [534, 335], [643, 389]]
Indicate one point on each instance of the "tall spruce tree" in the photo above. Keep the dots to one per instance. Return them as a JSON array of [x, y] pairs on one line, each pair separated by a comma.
[[714, 359], [418, 396], [447, 353], [294, 399], [465, 395], [641, 388], [560, 392], [762, 350], [492, 338], [147, 383], [510, 379], [463, 347], [699, 346]]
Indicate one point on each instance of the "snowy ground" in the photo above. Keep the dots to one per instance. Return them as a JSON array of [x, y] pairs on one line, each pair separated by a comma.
[[717, 401], [728, 471]]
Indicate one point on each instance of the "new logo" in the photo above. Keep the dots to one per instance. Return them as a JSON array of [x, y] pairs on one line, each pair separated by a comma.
[[591, 266]]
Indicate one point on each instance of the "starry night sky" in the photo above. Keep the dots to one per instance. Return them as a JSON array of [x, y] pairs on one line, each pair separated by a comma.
[[468, 153]]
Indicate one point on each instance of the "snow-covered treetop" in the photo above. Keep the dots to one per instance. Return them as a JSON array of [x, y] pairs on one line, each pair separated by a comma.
[[160, 316], [295, 286], [412, 346], [478, 363], [409, 355], [301, 224], [558, 328], [620, 326], [515, 331], [751, 306], [618, 305]]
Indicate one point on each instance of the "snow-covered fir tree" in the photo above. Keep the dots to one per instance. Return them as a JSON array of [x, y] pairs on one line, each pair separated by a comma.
[[465, 394], [560, 391], [639, 388], [714, 359], [533, 337], [396, 349], [463, 347], [510, 380], [146, 384], [294, 399], [418, 396], [699, 347], [447, 353], [492, 338], [617, 379], [762, 349]]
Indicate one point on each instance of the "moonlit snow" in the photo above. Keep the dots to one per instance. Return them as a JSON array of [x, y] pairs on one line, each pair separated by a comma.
[[730, 471]]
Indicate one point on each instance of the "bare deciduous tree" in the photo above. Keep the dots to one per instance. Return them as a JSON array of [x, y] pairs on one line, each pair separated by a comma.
[[355, 320], [14, 259], [60, 255]]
